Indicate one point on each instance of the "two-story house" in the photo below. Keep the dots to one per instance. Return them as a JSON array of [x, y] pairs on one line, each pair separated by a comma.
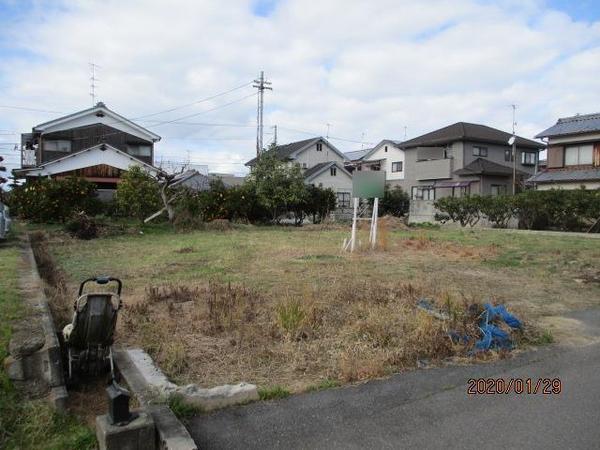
[[322, 165], [386, 156], [463, 159], [573, 154], [96, 144]]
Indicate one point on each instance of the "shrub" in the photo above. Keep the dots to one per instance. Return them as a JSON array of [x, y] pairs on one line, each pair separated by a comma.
[[498, 210], [138, 194], [82, 226], [317, 202], [49, 200], [395, 202], [465, 210]]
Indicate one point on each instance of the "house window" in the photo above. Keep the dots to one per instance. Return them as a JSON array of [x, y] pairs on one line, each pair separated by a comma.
[[319, 147], [304, 165], [343, 199], [57, 146], [423, 193], [139, 150], [576, 155], [480, 151], [460, 191], [508, 154], [498, 189], [385, 149], [528, 158], [397, 166], [333, 171]]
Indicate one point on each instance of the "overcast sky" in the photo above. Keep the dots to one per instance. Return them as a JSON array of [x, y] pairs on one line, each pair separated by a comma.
[[367, 68]]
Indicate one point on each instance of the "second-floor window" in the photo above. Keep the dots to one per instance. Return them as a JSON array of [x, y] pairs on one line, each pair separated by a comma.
[[333, 171], [319, 147], [576, 155], [304, 165], [57, 146], [397, 166], [508, 154], [528, 158], [480, 151], [139, 150]]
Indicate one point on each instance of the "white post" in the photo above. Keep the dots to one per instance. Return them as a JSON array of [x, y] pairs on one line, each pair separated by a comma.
[[374, 221], [353, 237]]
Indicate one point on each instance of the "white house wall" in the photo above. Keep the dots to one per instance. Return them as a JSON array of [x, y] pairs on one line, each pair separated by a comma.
[[568, 186], [341, 182], [393, 154], [89, 158], [311, 157]]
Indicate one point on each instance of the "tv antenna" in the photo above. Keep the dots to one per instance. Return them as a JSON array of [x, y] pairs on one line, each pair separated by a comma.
[[93, 80]]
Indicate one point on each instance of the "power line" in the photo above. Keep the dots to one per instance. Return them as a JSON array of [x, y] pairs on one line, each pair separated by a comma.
[[32, 109], [175, 108], [204, 112], [330, 137]]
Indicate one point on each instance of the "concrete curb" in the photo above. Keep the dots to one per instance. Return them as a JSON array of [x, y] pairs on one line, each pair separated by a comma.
[[37, 363], [171, 434]]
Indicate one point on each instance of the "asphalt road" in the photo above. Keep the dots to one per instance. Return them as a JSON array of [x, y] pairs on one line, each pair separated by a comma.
[[430, 409]]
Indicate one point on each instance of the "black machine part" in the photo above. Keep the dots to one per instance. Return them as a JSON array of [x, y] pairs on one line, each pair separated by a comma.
[[102, 280], [118, 405]]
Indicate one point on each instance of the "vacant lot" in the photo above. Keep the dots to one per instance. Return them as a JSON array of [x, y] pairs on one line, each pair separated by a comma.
[[285, 306]]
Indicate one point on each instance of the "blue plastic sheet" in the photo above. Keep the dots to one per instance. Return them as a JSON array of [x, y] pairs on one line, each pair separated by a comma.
[[492, 335]]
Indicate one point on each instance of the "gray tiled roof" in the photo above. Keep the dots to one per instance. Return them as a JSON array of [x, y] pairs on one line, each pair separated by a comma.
[[285, 151], [482, 166], [573, 125], [357, 154], [317, 168], [566, 176], [464, 131]]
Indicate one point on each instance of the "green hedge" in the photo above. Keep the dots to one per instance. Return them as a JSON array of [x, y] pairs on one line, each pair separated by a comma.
[[49, 200], [555, 209]]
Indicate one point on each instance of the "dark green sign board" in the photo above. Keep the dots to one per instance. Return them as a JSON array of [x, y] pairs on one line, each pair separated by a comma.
[[368, 184]]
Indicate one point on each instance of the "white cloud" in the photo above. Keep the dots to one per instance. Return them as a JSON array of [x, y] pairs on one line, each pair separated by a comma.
[[369, 67]]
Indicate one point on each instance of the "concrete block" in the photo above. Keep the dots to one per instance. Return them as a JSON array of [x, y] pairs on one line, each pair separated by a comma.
[[140, 434], [218, 397], [14, 368], [172, 435]]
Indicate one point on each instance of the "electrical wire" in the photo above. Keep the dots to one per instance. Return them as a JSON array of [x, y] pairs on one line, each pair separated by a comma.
[[175, 108]]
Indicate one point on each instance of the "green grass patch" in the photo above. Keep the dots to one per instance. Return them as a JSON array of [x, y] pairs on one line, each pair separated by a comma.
[[327, 383], [28, 424], [182, 409], [273, 392], [544, 338]]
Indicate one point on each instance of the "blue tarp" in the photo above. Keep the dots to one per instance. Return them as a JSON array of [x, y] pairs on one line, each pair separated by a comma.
[[492, 335]]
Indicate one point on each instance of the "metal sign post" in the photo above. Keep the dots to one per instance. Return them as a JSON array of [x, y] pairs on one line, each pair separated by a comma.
[[366, 185]]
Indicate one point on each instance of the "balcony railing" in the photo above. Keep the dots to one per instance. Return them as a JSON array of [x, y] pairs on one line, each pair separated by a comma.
[[28, 158], [434, 169]]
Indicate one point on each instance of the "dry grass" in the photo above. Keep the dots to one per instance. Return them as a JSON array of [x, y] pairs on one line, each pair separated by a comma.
[[285, 307]]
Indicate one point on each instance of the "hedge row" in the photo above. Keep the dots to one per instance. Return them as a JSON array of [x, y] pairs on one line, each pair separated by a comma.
[[555, 209]]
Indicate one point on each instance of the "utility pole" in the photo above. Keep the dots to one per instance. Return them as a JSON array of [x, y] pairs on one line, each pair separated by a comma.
[[514, 150], [328, 126], [275, 134], [261, 85], [405, 132], [93, 80]]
